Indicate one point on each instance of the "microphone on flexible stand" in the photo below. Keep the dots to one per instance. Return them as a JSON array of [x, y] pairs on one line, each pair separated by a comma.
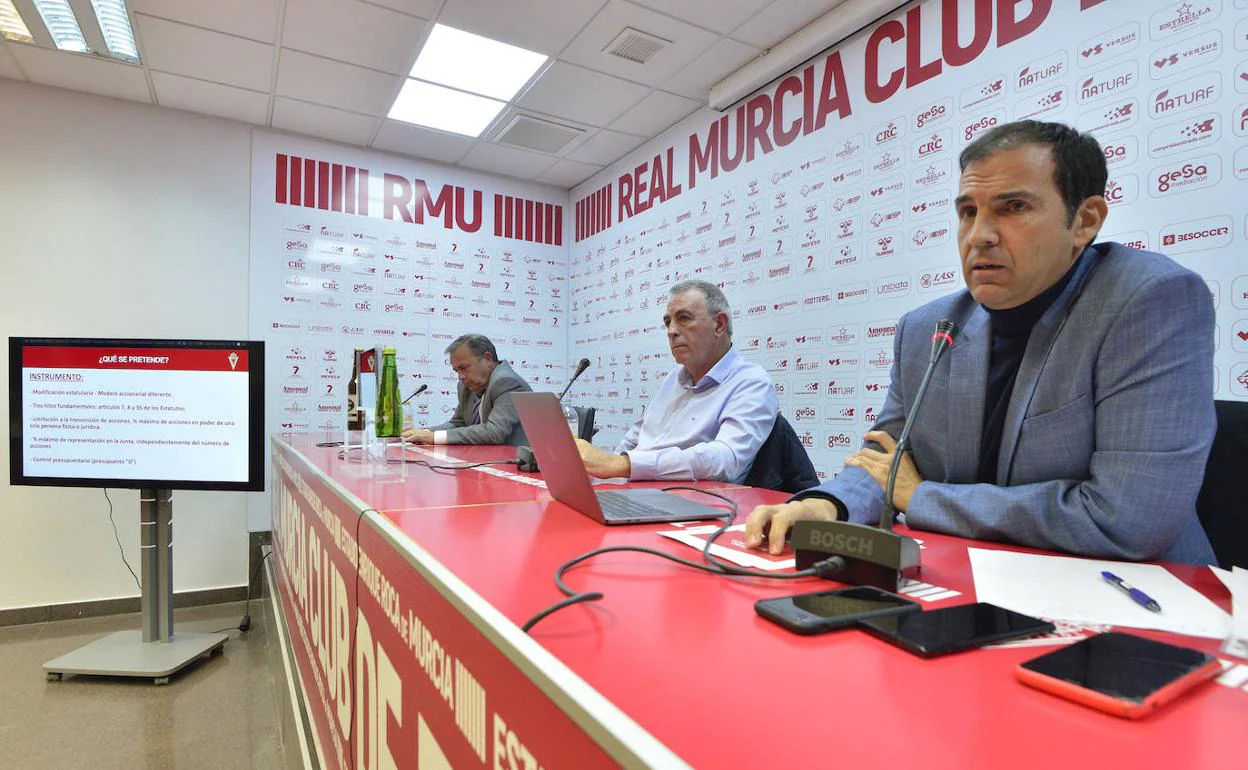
[[423, 387], [874, 556], [580, 369]]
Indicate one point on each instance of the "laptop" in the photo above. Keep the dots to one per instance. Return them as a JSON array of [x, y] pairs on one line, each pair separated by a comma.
[[568, 481]]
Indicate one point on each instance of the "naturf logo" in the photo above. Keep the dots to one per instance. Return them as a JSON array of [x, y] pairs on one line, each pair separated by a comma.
[[1049, 101], [988, 91], [931, 145], [1185, 95], [980, 124], [933, 114], [1121, 190], [1123, 114], [806, 365], [1109, 44], [887, 131], [1197, 235], [1041, 71], [1184, 135], [1180, 17], [1120, 151], [1179, 177], [1108, 82], [1185, 55]]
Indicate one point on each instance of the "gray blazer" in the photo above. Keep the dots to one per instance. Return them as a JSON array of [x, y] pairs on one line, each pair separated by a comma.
[[1108, 427], [499, 422]]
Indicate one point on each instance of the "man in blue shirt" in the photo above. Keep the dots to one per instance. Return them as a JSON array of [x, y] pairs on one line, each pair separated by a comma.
[[712, 412]]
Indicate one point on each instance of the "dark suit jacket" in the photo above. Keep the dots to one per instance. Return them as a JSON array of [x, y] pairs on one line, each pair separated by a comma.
[[1108, 426], [499, 422]]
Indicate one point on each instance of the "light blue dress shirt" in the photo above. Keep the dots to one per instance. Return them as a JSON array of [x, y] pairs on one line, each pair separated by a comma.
[[710, 429]]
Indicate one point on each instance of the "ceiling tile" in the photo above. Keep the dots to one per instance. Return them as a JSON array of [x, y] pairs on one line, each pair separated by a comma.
[[324, 122], [724, 58], [575, 93], [568, 173], [655, 113], [198, 53], [509, 161], [425, 9], [8, 66], [179, 93], [419, 142], [82, 72], [688, 42], [605, 147], [722, 16], [545, 26], [335, 84], [254, 19], [780, 20], [354, 32]]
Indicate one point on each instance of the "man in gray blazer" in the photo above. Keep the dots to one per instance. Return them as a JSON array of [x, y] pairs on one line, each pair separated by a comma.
[[485, 414], [1075, 409]]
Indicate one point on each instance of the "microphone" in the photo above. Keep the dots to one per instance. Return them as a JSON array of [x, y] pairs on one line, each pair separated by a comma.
[[874, 556], [942, 340], [580, 369], [423, 387]]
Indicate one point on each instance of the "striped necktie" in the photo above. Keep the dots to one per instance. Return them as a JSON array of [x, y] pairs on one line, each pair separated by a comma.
[[476, 411]]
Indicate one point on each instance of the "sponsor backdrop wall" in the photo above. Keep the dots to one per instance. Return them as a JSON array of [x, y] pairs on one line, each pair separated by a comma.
[[132, 223], [823, 206], [351, 248]]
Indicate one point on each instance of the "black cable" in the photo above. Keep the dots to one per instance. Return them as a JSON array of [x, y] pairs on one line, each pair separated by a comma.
[[714, 565], [118, 539], [244, 625], [454, 467]]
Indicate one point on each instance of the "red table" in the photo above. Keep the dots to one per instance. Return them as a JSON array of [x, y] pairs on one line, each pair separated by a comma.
[[672, 667]]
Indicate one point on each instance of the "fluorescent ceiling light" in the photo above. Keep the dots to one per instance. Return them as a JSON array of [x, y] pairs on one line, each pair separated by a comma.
[[59, 18], [473, 63], [11, 25], [115, 26], [445, 109]]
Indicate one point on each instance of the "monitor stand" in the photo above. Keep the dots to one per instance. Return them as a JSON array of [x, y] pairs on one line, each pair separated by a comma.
[[155, 652]]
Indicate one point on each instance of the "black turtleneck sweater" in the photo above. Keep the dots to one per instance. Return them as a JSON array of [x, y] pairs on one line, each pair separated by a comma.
[[1011, 328]]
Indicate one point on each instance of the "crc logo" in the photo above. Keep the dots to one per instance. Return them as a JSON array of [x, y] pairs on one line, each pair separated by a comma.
[[1108, 82], [1194, 174], [933, 114], [887, 132], [1186, 54], [364, 306], [1109, 44], [982, 123], [1180, 17], [1041, 71], [1184, 135], [1121, 190], [931, 145], [297, 264], [1197, 235], [1185, 95]]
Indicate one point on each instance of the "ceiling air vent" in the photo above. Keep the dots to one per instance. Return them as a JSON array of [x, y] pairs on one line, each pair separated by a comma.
[[536, 134], [636, 46]]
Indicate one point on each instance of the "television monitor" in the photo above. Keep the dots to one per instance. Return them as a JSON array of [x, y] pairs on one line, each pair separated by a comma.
[[158, 414]]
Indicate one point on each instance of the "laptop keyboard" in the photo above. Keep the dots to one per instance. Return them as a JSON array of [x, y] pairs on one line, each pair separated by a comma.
[[617, 506]]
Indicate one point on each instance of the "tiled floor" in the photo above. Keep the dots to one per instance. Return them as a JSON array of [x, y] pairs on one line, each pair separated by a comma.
[[218, 712]]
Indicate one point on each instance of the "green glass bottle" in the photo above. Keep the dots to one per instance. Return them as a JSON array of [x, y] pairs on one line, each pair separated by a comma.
[[389, 407]]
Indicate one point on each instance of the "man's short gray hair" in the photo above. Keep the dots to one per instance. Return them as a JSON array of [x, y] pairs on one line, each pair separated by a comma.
[[479, 344], [716, 302]]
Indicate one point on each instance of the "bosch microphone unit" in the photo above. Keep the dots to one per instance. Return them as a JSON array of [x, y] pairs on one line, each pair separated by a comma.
[[580, 369], [423, 387]]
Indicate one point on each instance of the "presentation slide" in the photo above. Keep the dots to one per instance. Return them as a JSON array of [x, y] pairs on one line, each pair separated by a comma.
[[135, 412]]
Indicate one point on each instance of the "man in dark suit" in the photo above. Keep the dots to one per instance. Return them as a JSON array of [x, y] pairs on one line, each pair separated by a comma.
[[485, 413], [1075, 410]]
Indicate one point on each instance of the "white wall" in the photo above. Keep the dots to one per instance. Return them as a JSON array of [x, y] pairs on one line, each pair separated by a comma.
[[117, 220]]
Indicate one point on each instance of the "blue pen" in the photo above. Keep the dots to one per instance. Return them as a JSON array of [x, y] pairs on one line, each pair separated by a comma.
[[1137, 596]]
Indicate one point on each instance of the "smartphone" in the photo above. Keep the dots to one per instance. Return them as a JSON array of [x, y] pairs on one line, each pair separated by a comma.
[[952, 629], [1124, 675], [829, 610]]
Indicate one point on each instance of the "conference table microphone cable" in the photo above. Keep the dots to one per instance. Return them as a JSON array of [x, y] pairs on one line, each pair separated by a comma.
[[713, 565]]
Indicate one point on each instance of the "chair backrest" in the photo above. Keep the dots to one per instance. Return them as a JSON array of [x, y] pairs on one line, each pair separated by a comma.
[[782, 463], [1223, 501]]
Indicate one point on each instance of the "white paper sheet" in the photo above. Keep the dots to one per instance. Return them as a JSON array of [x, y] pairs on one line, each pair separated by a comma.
[[1066, 588], [1236, 581]]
